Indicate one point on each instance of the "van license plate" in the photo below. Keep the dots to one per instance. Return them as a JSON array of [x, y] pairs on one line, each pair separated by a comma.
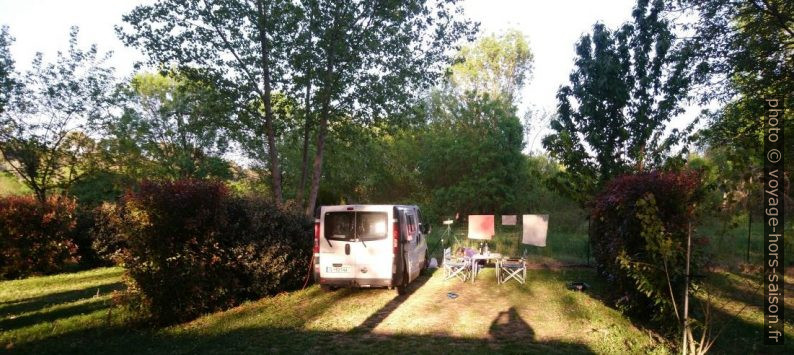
[[337, 269]]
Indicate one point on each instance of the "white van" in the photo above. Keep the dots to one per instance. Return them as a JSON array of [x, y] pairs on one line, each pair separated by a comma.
[[369, 246]]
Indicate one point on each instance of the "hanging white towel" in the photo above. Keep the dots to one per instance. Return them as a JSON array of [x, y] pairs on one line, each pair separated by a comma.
[[509, 220], [481, 226], [535, 228]]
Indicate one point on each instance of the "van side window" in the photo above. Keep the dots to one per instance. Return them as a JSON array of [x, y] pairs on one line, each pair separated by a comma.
[[411, 227]]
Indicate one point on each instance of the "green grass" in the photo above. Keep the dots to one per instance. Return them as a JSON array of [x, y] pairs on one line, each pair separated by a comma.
[[728, 239], [72, 313], [10, 185]]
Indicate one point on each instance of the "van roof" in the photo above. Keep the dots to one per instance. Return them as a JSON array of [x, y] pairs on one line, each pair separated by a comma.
[[365, 205]]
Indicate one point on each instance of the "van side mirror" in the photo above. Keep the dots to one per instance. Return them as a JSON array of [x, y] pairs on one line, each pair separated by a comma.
[[426, 228]]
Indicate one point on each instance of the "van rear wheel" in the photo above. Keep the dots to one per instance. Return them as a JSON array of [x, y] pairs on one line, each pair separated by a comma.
[[403, 287]]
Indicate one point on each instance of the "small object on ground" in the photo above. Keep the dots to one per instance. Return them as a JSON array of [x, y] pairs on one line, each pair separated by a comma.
[[433, 263], [452, 295], [578, 286]]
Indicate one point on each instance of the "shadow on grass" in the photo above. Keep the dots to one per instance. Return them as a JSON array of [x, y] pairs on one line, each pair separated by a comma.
[[376, 318], [742, 337], [39, 302], [53, 315], [509, 333], [281, 327]]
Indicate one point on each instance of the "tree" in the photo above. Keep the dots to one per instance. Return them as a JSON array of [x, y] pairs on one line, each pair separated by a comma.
[[742, 47], [373, 58], [744, 51], [43, 139], [494, 65], [612, 116], [7, 82], [244, 45], [471, 160], [177, 123]]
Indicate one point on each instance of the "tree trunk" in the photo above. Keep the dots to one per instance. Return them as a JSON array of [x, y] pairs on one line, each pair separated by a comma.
[[318, 158], [686, 288], [275, 171], [305, 161]]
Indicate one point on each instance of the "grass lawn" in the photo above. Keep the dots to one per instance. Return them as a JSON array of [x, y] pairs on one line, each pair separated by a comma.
[[72, 313]]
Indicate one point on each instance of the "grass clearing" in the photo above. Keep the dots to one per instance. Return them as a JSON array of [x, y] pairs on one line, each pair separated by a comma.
[[72, 313]]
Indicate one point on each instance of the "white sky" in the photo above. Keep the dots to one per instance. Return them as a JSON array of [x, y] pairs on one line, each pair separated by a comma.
[[552, 27]]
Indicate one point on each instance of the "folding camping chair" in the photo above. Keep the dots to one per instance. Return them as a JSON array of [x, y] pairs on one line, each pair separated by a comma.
[[511, 268], [534, 230], [456, 267]]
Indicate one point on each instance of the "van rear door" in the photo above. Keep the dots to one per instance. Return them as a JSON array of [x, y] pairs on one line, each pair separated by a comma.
[[374, 246], [337, 260]]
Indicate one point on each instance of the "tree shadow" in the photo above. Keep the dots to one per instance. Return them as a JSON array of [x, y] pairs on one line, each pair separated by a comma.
[[11, 323], [39, 302], [739, 336], [379, 316], [510, 334]]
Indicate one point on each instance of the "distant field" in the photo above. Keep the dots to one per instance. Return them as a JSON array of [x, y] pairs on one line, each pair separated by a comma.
[[9, 185]]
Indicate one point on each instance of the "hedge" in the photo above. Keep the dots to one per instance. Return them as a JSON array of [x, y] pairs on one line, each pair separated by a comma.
[[36, 236], [190, 247]]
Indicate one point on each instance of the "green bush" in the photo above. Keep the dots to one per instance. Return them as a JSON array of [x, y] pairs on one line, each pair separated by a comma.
[[638, 235], [35, 237], [190, 248]]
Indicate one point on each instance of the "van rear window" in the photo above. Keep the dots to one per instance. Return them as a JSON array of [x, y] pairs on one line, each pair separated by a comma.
[[356, 225]]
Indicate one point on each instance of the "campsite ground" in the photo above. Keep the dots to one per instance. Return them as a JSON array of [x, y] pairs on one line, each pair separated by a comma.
[[73, 313]]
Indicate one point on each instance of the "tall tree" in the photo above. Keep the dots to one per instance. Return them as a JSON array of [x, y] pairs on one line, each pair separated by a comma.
[[497, 65], [742, 47], [745, 52], [176, 122], [373, 58], [471, 159], [244, 44], [7, 82], [612, 116], [43, 137]]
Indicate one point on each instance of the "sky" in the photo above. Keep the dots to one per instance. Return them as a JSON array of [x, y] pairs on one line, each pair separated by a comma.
[[552, 28]]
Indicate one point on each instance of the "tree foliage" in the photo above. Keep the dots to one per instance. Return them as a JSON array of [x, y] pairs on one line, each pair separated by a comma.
[[494, 65], [44, 137], [471, 160], [175, 124], [242, 45], [744, 52], [627, 85], [8, 83]]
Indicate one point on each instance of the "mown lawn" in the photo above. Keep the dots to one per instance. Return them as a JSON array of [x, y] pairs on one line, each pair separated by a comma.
[[73, 313]]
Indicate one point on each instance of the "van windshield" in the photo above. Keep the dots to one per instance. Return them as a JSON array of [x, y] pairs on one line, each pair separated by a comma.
[[355, 225]]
